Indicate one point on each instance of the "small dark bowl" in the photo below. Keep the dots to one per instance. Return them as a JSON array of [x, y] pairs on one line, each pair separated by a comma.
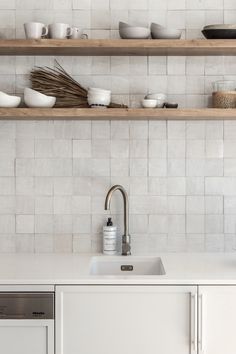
[[219, 33], [171, 105]]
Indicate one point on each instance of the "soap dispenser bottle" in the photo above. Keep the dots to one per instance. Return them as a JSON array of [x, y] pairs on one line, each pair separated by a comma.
[[109, 238]]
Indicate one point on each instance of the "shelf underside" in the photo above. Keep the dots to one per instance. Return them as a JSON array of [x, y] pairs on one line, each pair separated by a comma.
[[115, 114], [117, 47]]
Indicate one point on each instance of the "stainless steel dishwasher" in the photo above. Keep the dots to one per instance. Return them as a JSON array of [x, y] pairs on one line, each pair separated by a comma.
[[27, 323]]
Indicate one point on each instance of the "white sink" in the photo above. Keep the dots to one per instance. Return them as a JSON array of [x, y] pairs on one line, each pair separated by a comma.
[[126, 266]]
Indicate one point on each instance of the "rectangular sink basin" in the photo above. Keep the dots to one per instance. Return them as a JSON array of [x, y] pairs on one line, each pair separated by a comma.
[[126, 266]]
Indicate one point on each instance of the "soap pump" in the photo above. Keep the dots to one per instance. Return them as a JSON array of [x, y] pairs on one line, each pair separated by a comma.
[[109, 238]]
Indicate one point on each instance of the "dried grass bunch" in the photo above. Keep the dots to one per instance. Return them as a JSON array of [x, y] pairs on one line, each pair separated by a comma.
[[57, 82]]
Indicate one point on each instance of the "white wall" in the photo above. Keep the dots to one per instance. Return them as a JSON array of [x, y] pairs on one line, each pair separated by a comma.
[[181, 176]]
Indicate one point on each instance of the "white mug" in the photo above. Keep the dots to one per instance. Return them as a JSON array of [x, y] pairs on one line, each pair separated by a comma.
[[35, 30], [78, 33], [59, 30]]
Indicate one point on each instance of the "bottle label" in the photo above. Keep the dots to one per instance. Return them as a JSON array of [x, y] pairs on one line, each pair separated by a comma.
[[109, 240], [109, 244], [110, 248]]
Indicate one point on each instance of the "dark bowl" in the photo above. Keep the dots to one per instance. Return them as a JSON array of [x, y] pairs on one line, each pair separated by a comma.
[[219, 33], [171, 105]]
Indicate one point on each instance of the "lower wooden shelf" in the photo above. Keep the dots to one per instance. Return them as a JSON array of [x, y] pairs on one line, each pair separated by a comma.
[[116, 114]]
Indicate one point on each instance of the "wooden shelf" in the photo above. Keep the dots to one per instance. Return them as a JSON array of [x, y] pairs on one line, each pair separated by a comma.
[[116, 114], [117, 47]]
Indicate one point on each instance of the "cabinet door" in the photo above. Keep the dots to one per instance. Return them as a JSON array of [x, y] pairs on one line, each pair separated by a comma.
[[27, 336], [217, 319], [126, 319]]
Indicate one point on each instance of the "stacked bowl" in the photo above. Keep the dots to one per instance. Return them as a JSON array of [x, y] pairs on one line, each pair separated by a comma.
[[221, 31], [154, 100], [98, 97]]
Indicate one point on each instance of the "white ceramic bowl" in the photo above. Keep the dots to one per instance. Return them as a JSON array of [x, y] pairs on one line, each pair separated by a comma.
[[35, 99], [98, 100], [160, 32], [146, 103], [8, 101], [159, 97], [134, 32]]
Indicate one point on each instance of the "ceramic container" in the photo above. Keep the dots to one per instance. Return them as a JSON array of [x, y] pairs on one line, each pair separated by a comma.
[[128, 32], [98, 97], [8, 101], [98, 100], [147, 103], [77, 33], [219, 33], [171, 105], [35, 30], [35, 99], [159, 97], [160, 32], [59, 30]]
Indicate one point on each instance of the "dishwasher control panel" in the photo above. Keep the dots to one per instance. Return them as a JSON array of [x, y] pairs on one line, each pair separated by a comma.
[[27, 305]]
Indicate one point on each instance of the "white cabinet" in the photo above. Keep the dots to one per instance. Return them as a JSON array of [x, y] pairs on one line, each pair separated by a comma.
[[27, 336], [126, 319], [217, 319]]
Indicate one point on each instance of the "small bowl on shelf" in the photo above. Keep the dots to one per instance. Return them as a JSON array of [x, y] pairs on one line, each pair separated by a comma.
[[160, 32], [159, 97], [133, 32], [98, 97], [9, 101], [148, 103], [220, 31], [171, 105], [35, 99], [98, 100]]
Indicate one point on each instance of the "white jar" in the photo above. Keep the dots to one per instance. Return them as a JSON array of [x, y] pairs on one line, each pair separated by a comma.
[[109, 238]]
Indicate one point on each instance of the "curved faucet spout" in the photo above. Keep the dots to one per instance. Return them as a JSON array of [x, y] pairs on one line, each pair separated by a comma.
[[126, 248]]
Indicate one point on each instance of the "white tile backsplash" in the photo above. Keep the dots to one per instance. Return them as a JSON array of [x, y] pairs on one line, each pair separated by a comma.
[[180, 176]]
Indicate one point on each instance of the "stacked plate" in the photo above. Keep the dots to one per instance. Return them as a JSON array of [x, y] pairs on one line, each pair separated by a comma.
[[98, 97], [219, 31]]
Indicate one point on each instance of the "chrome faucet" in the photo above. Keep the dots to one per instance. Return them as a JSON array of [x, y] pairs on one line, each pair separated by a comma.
[[126, 240]]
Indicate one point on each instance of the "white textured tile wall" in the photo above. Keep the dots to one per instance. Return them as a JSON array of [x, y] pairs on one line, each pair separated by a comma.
[[180, 176]]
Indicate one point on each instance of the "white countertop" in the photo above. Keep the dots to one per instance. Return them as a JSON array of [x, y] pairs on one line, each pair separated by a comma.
[[56, 269]]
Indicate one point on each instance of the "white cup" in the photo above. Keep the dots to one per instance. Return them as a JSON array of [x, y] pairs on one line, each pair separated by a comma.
[[77, 33], [59, 30], [35, 30]]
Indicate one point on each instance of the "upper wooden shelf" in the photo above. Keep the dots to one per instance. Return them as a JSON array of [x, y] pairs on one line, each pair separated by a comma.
[[116, 114], [117, 47]]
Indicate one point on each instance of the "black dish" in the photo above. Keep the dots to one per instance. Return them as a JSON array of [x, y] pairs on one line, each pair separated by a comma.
[[219, 33], [171, 105]]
